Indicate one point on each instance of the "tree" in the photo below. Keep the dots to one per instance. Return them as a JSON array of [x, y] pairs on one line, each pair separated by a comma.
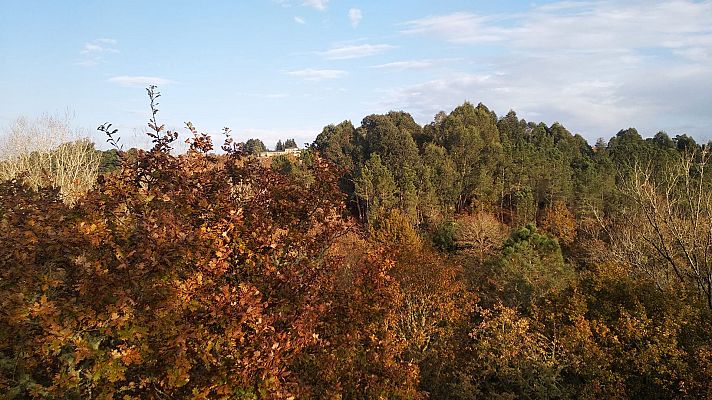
[[472, 140], [673, 224], [663, 140], [49, 151], [254, 146], [506, 357], [627, 148], [360, 355], [110, 161], [442, 176], [279, 146], [341, 145], [559, 222], [480, 234], [532, 266], [290, 144], [391, 137], [283, 165], [376, 190], [685, 144]]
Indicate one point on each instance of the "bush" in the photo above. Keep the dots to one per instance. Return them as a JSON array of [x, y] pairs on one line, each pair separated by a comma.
[[444, 236], [48, 151], [193, 275]]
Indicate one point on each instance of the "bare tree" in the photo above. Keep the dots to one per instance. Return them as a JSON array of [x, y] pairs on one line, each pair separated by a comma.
[[669, 231], [480, 234], [49, 150]]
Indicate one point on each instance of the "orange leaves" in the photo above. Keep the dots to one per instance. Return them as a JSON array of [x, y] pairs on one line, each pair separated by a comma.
[[193, 274], [480, 234], [560, 222]]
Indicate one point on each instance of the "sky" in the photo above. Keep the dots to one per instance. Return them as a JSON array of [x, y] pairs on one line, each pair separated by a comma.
[[277, 69]]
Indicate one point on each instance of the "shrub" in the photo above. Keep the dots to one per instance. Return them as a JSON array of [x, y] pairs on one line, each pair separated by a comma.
[[48, 151]]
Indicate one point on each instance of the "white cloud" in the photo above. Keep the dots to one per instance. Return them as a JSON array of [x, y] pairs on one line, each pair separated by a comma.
[[93, 53], [355, 16], [300, 20], [577, 25], [594, 66], [346, 52], [100, 46], [140, 81], [459, 27], [317, 74], [409, 64], [316, 4]]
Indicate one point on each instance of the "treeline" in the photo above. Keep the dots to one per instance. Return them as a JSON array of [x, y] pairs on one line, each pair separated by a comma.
[[472, 160], [589, 266], [255, 146], [474, 257]]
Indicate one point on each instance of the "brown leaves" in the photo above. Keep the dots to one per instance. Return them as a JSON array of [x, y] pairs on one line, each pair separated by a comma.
[[150, 287], [560, 222]]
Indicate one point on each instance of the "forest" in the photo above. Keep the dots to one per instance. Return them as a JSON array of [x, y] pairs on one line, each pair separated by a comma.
[[475, 257]]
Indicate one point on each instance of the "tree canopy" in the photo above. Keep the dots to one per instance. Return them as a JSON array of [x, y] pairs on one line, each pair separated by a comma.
[[474, 257]]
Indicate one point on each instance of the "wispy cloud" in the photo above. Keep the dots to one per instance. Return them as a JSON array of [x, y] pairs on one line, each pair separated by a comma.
[[300, 20], [317, 74], [93, 53], [316, 4], [408, 64], [589, 66], [347, 52], [100, 46], [140, 81], [458, 27], [581, 104], [582, 26], [355, 16]]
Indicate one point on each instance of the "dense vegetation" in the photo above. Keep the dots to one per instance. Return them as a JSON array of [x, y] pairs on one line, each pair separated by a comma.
[[474, 257]]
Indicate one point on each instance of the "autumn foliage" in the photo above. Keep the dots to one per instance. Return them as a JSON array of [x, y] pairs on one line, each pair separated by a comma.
[[178, 275], [217, 276]]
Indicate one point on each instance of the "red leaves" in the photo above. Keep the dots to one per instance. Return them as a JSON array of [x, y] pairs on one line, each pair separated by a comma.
[[194, 274]]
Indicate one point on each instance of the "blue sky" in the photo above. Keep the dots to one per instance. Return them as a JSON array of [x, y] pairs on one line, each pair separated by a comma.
[[285, 68]]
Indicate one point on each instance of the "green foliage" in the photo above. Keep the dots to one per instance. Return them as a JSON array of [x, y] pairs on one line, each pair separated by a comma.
[[109, 161], [376, 189], [533, 266], [441, 176], [282, 164], [341, 145], [217, 276], [298, 169], [290, 144], [444, 236], [254, 147]]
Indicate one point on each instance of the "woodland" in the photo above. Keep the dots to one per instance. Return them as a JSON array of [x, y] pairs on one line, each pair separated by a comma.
[[475, 257]]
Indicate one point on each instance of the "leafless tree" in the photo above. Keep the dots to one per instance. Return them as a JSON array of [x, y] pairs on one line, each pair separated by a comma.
[[49, 150], [668, 233], [479, 234]]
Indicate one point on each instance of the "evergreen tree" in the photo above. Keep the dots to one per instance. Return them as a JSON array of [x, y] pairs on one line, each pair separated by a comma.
[[290, 144], [254, 146], [376, 190]]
